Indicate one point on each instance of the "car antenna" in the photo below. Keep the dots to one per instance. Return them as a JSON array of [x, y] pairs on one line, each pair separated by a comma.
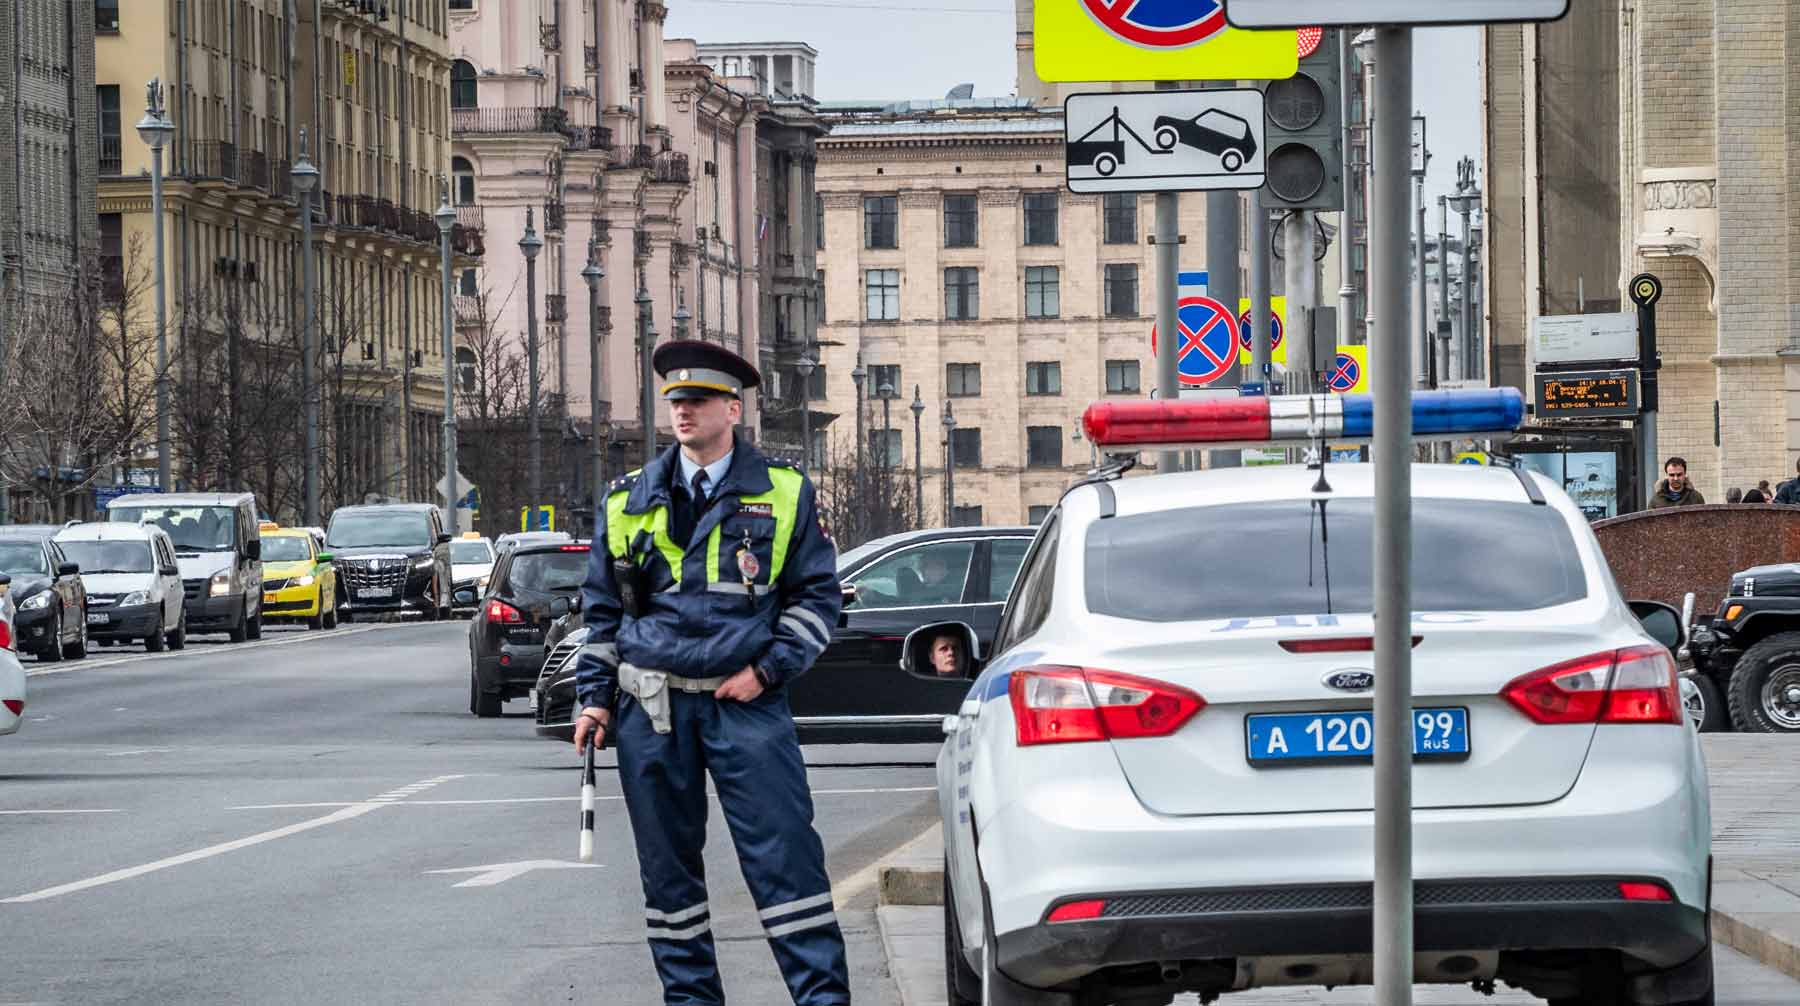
[[1321, 486]]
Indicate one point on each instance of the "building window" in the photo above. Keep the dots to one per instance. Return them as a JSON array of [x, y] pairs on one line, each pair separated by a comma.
[[962, 222], [881, 221], [1120, 212], [112, 258], [465, 368], [965, 442], [890, 456], [1121, 290], [1043, 446], [106, 100], [1040, 218], [464, 173], [815, 384], [962, 293], [1043, 378], [467, 286], [883, 373], [966, 516], [1122, 377], [962, 380], [882, 287], [462, 4], [1042, 299], [106, 17], [462, 84], [819, 220], [1036, 514]]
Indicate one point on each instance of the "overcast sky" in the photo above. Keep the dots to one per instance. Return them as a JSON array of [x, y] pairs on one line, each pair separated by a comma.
[[893, 49]]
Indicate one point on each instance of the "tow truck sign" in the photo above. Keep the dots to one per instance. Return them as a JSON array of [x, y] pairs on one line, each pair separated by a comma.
[[1164, 141]]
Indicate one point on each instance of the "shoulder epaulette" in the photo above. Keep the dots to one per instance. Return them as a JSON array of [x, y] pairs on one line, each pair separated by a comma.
[[784, 463]]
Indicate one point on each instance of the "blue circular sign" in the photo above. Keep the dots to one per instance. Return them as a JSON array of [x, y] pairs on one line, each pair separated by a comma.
[[1244, 334], [1159, 24], [1208, 346], [1345, 372]]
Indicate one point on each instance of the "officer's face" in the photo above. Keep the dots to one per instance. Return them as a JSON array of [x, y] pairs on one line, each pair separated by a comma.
[[704, 422]]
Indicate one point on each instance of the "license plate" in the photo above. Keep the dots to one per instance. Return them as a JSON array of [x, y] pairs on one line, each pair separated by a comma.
[[376, 592], [100, 618], [1300, 738], [268, 598]]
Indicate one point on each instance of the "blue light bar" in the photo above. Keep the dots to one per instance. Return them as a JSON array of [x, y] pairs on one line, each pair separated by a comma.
[[1296, 418], [1475, 410]]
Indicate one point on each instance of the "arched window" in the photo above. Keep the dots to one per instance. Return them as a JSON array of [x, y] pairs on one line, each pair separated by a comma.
[[462, 84], [465, 368], [464, 175]]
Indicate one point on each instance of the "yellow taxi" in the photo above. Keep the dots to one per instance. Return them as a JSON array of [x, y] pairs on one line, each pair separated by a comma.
[[299, 581]]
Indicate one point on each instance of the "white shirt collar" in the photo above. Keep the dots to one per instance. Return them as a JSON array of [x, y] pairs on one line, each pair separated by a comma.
[[715, 472]]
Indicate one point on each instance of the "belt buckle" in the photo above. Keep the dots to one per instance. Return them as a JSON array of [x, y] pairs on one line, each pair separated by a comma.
[[691, 686]]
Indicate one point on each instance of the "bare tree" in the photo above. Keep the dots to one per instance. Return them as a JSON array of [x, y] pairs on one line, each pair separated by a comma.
[[491, 407], [860, 499]]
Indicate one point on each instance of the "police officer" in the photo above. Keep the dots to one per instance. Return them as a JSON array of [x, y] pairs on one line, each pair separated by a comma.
[[715, 587]]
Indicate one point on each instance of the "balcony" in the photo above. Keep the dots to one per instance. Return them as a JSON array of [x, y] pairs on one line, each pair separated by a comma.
[[556, 307], [602, 230], [671, 166], [553, 218], [281, 179], [590, 58], [500, 121], [633, 156], [471, 217], [467, 242], [210, 159], [111, 160], [550, 35], [253, 169], [468, 309], [641, 243], [590, 138]]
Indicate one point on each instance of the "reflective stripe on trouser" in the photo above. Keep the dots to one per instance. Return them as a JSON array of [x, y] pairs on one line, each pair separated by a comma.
[[751, 752]]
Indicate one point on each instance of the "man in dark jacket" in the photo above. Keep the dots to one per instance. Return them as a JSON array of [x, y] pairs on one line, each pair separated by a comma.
[[1675, 489], [1789, 492]]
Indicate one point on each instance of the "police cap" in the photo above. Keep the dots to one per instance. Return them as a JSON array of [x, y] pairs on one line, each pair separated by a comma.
[[691, 369]]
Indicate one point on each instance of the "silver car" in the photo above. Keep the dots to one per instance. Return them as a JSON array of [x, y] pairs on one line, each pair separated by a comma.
[[1160, 781]]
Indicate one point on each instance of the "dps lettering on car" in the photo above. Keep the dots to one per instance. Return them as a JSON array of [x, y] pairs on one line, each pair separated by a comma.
[[1336, 621]]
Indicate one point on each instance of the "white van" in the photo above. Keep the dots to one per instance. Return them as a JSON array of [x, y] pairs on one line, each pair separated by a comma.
[[133, 583]]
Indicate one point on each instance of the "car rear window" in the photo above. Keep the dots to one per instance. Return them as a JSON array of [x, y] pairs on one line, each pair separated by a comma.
[[549, 572], [1278, 557]]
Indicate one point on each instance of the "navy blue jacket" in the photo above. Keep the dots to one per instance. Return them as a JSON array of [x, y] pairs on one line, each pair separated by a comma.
[[696, 628]]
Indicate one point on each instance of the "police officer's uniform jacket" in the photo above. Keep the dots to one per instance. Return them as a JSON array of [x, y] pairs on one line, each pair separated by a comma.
[[755, 584]]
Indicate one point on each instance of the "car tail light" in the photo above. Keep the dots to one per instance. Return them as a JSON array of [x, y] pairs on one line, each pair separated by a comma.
[[1077, 911], [574, 548], [6, 635], [1056, 705], [14, 706], [1337, 644], [500, 611], [1637, 684], [1631, 891]]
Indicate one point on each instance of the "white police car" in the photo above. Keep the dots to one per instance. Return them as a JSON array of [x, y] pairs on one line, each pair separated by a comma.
[[1160, 781]]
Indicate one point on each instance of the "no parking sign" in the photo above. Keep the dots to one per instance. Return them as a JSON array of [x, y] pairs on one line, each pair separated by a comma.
[[1349, 371], [1207, 350], [1277, 329]]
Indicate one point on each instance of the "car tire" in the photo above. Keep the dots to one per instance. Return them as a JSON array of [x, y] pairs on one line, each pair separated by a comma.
[[1766, 669], [1704, 704], [962, 986], [178, 638], [1105, 165], [1231, 160], [54, 652], [331, 619], [345, 618], [317, 622], [1605, 985], [253, 626], [1166, 138], [241, 630], [155, 643], [79, 648], [483, 705]]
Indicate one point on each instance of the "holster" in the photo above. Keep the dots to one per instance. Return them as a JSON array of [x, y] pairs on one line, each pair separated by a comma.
[[651, 689]]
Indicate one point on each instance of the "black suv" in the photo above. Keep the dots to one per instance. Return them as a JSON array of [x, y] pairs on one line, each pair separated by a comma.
[[1747, 656], [506, 637], [390, 558]]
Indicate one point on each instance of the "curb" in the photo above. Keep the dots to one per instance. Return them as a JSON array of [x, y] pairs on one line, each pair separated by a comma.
[[1758, 918], [914, 874]]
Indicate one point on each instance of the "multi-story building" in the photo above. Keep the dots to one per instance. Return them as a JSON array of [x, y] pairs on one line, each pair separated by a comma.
[[960, 269], [370, 84], [690, 180]]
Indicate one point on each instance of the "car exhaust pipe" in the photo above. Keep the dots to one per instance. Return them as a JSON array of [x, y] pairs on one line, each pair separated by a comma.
[[1171, 971]]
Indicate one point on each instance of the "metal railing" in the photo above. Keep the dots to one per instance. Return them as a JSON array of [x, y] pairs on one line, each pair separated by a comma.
[[590, 137], [211, 159], [111, 156], [253, 169], [467, 241], [468, 309], [471, 216], [632, 156], [671, 166], [477, 121], [281, 179]]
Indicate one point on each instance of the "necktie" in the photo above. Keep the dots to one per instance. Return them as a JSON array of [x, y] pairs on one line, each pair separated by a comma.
[[697, 498]]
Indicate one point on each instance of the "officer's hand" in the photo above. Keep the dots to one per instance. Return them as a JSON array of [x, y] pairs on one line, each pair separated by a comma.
[[740, 687], [584, 725]]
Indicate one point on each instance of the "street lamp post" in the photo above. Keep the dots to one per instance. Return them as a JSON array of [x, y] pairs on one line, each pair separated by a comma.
[[647, 347], [918, 411], [886, 393], [306, 179], [156, 131], [857, 377], [446, 221], [529, 245], [593, 274], [681, 314], [949, 465], [804, 368]]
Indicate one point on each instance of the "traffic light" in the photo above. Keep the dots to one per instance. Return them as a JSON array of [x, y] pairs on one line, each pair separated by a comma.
[[1305, 134]]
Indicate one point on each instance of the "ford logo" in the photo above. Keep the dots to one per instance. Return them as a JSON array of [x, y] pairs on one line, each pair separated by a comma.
[[1350, 681]]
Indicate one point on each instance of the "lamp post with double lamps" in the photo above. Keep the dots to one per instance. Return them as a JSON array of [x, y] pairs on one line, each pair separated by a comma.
[[804, 367], [156, 130], [949, 465], [306, 179], [592, 274], [529, 246], [918, 411], [446, 221]]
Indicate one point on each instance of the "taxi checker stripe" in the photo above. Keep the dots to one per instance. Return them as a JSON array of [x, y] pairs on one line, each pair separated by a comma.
[[810, 616], [668, 918], [790, 908], [804, 631]]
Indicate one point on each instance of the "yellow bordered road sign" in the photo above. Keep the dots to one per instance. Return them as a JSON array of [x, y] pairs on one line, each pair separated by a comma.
[[1119, 40]]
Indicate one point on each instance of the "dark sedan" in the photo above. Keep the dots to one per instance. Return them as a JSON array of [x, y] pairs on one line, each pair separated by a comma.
[[507, 634], [47, 589], [856, 692]]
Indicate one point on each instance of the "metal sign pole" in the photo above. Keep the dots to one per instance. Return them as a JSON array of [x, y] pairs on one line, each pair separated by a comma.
[[1260, 350], [1222, 285], [1390, 355], [1168, 281]]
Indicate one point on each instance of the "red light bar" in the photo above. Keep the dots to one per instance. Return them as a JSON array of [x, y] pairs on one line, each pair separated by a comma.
[[1337, 644], [574, 548], [1238, 419], [1631, 891], [1077, 911]]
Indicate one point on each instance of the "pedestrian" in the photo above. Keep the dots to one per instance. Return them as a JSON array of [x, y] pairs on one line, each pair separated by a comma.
[[1675, 489], [1735, 495], [1763, 487], [716, 587], [1756, 495], [1789, 492]]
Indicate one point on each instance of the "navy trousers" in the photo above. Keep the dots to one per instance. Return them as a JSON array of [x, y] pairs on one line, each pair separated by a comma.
[[753, 756]]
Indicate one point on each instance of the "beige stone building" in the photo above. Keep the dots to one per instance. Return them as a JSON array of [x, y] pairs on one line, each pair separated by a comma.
[[1657, 136], [956, 263], [243, 78]]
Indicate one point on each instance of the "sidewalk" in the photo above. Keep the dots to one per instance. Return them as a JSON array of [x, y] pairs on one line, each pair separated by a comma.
[[1756, 870]]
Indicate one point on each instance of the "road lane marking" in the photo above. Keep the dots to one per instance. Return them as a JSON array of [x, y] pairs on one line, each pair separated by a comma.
[[337, 816], [286, 639], [536, 799], [67, 810], [843, 892], [139, 751], [500, 873]]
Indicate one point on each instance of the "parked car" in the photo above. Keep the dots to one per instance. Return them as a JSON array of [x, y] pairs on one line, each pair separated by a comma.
[[391, 558], [300, 581], [1747, 656], [12, 676], [133, 583], [218, 551], [507, 635], [51, 619], [1213, 131], [513, 539], [471, 560], [856, 691]]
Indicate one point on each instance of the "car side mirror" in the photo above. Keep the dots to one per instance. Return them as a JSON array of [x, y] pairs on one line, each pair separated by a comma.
[[68, 569], [560, 607], [170, 570], [957, 659], [1662, 621], [323, 557], [443, 539], [253, 550]]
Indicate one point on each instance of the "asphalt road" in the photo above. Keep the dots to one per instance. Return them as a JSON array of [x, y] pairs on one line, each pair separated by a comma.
[[271, 822]]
